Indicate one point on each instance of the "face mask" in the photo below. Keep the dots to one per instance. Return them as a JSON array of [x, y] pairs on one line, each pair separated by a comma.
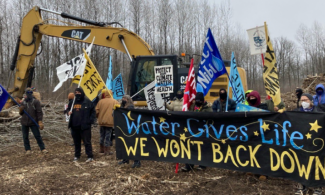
[[198, 103], [29, 96], [123, 103], [223, 96], [319, 92], [78, 97], [179, 96], [253, 101], [305, 105]]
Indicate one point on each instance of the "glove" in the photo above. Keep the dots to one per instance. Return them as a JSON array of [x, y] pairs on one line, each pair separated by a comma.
[[41, 125], [21, 110], [116, 106]]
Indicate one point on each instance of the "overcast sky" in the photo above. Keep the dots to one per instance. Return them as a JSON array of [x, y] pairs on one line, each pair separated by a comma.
[[282, 16]]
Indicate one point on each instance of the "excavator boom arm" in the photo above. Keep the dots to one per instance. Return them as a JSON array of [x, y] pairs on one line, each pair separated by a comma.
[[33, 27]]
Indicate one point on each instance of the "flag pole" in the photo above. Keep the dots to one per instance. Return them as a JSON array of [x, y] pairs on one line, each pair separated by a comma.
[[24, 110], [74, 99]]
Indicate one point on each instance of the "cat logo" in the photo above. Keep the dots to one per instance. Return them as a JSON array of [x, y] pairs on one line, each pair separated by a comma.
[[82, 34]]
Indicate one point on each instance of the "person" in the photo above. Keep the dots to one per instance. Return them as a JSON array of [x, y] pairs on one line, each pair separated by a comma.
[[219, 105], [246, 94], [81, 118], [254, 99], [200, 106], [70, 98], [270, 106], [32, 107], [104, 114], [177, 103], [307, 105], [128, 103], [319, 98], [299, 92]]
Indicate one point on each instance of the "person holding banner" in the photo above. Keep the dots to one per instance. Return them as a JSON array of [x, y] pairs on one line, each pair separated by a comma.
[[33, 108], [254, 99], [270, 106], [246, 94], [82, 116], [307, 105], [104, 113], [200, 106], [177, 103], [127, 103], [220, 104]]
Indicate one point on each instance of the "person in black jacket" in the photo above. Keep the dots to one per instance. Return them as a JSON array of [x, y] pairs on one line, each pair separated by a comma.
[[82, 116], [298, 93], [220, 104]]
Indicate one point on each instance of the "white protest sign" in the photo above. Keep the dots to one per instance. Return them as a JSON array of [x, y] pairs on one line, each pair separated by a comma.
[[257, 40], [67, 117], [164, 79], [155, 101]]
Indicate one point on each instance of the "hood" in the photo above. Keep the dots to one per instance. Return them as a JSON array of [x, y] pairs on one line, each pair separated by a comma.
[[81, 91], [320, 86], [129, 101], [258, 97], [248, 91], [107, 93]]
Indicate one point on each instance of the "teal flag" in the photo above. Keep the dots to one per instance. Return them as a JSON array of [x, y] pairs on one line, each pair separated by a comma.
[[246, 108], [109, 83]]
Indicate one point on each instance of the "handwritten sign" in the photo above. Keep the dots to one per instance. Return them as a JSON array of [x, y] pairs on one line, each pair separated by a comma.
[[164, 79]]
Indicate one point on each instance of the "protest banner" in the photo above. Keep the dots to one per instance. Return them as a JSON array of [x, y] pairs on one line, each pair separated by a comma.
[[118, 89], [270, 73], [211, 66], [155, 101], [288, 145], [72, 68], [164, 79], [190, 89], [238, 93], [257, 40], [91, 81]]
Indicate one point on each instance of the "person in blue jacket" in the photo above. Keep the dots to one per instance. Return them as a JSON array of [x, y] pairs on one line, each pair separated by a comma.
[[319, 98]]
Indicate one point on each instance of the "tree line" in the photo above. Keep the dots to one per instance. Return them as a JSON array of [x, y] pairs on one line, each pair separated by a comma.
[[169, 27]]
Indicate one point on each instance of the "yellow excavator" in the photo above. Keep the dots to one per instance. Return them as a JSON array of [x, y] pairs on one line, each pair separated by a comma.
[[139, 52]]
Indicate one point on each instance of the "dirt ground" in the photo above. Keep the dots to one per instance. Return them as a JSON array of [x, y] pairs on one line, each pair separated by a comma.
[[55, 173]]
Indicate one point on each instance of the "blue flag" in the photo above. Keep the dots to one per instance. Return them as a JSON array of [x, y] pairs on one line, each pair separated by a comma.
[[211, 66], [3, 97], [118, 89], [109, 83], [238, 93], [246, 108]]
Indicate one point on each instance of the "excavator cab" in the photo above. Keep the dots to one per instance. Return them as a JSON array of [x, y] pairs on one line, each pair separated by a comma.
[[142, 73]]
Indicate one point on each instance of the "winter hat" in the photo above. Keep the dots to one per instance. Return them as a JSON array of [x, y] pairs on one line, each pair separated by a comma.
[[71, 96], [199, 96], [310, 97], [28, 89]]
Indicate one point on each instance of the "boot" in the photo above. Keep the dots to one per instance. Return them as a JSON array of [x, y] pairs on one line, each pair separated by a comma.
[[107, 151], [101, 149], [136, 164]]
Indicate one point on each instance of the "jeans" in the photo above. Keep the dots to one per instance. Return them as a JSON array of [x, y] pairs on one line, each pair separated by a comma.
[[85, 135], [105, 136], [36, 133]]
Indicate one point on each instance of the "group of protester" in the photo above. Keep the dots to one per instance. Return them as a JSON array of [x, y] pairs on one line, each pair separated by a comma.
[[83, 113]]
